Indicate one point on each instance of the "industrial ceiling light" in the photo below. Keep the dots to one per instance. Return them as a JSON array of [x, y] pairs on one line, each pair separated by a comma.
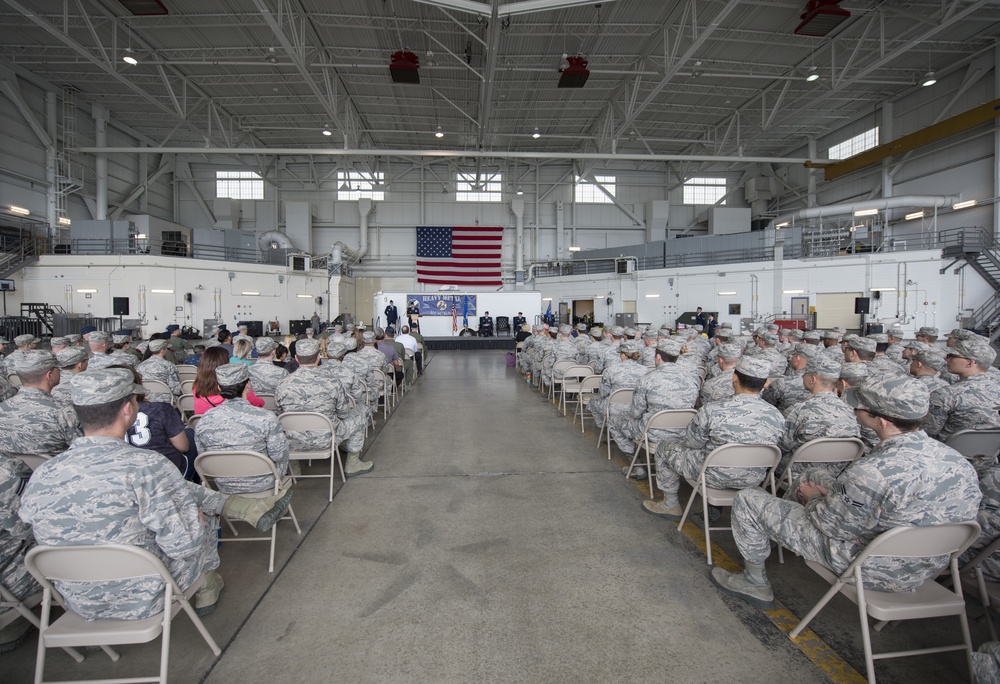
[[129, 57], [444, 189], [439, 133], [960, 205], [928, 79], [574, 249], [813, 76], [727, 294], [64, 221], [866, 212], [883, 289], [19, 210], [783, 225], [793, 291], [271, 58], [250, 294], [327, 131], [536, 135], [520, 190], [914, 215]]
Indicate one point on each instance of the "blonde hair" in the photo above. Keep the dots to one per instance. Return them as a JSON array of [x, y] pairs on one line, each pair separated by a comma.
[[242, 348]]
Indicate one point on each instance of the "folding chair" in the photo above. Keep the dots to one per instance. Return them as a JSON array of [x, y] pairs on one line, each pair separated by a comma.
[[31, 460], [823, 450], [192, 421], [619, 396], [518, 348], [269, 402], [185, 404], [301, 420], [157, 387], [187, 385], [101, 563], [186, 372], [976, 584], [589, 385], [558, 369], [930, 599], [666, 419], [730, 456], [976, 445], [214, 464], [572, 377], [383, 379]]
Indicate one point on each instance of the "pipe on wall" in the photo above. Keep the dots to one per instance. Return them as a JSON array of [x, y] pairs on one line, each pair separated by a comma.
[[517, 207], [848, 209]]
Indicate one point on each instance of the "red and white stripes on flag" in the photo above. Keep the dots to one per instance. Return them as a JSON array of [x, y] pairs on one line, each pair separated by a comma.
[[461, 255]]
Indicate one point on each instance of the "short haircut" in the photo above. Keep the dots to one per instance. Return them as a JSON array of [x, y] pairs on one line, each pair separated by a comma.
[[983, 366], [902, 424], [755, 385], [99, 416], [664, 356], [405, 329], [233, 391], [306, 360], [864, 354], [881, 346], [199, 349], [32, 377]]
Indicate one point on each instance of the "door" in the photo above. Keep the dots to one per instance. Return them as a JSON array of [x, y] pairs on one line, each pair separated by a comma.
[[837, 308]]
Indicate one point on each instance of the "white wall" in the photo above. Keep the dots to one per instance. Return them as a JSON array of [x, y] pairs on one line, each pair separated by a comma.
[[496, 303]]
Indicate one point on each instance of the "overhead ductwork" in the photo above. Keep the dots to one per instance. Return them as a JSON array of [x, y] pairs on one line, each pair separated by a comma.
[[339, 250], [274, 239], [901, 202], [517, 207]]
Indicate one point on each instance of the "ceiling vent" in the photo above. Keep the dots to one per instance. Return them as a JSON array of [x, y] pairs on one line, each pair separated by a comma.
[[821, 17], [145, 8], [405, 67], [576, 74]]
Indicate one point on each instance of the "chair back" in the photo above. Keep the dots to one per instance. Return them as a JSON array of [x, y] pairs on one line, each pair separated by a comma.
[[192, 421], [269, 403], [303, 420], [743, 456], [671, 419], [621, 396], [591, 383], [93, 563], [972, 443], [31, 460], [14, 380], [185, 403], [574, 374], [829, 450], [155, 386], [519, 346], [923, 541], [187, 385], [186, 372], [212, 464], [559, 367]]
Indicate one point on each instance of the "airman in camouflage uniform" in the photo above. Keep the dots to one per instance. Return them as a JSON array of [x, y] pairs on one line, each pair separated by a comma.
[[744, 419], [22, 343], [100, 356], [973, 403], [928, 334], [823, 414], [787, 391], [7, 390], [649, 338], [72, 360], [264, 375], [562, 350], [3, 355], [895, 349], [344, 373], [989, 523], [668, 386], [121, 354], [882, 365], [33, 422], [158, 368], [236, 425], [15, 535], [776, 361], [582, 341], [720, 385], [908, 480], [926, 366], [311, 388], [831, 345], [612, 355], [853, 375], [105, 491], [625, 374], [594, 355], [362, 370]]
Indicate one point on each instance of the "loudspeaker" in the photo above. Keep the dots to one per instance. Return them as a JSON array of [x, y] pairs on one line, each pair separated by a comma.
[[188, 298], [862, 305], [119, 306]]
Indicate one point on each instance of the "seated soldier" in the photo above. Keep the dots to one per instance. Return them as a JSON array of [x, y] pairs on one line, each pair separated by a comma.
[[486, 325], [15, 540], [972, 403], [264, 374], [744, 419], [104, 491], [908, 479], [33, 422]]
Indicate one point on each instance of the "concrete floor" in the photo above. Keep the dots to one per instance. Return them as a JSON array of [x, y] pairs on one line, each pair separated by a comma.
[[495, 543]]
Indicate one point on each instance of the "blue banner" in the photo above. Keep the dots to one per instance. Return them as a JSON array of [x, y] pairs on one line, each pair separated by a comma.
[[441, 305]]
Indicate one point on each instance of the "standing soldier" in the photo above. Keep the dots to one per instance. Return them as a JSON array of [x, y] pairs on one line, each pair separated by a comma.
[[391, 314]]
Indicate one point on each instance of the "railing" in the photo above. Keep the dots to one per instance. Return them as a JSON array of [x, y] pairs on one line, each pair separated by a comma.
[[15, 252]]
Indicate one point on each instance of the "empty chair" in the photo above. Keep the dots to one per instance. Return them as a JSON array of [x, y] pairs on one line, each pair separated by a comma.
[[667, 419], [157, 387], [590, 385], [213, 464], [571, 379], [269, 402], [192, 421], [300, 420], [185, 372], [619, 396], [730, 456], [185, 403], [382, 381], [930, 599], [823, 450], [976, 445], [103, 563]]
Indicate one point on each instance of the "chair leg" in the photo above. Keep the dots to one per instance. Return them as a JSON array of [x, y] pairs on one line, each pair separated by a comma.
[[707, 526], [830, 593], [291, 514], [274, 539], [165, 636], [967, 638], [984, 598], [866, 636], [189, 609], [649, 468], [687, 508]]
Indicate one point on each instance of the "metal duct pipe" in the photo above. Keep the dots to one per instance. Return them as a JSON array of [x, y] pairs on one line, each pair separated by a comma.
[[517, 207], [101, 161], [274, 239], [901, 202], [365, 207]]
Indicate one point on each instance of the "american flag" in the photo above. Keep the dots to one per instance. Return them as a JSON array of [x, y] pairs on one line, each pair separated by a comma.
[[459, 255]]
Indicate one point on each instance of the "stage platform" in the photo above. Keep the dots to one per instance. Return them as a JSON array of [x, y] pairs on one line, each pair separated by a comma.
[[469, 343]]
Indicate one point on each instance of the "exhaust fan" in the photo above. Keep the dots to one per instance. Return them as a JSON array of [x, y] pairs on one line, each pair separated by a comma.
[[576, 74], [821, 17], [404, 67]]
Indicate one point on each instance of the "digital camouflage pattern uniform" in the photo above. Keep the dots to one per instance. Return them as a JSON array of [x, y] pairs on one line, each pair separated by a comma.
[[157, 368], [15, 535], [6, 389], [34, 423], [313, 389], [236, 425], [823, 414], [622, 375], [884, 367], [718, 388], [989, 521], [970, 404], [105, 491], [265, 376], [347, 377], [786, 392], [595, 356]]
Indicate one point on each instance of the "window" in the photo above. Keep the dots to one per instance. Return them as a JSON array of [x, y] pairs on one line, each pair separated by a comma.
[[856, 145], [490, 188], [704, 190], [239, 185], [588, 192], [358, 185]]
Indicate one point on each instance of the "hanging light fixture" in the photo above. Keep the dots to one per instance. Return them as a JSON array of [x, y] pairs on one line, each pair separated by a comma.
[[129, 57], [536, 135], [520, 190], [813, 76], [439, 133], [327, 131], [928, 79]]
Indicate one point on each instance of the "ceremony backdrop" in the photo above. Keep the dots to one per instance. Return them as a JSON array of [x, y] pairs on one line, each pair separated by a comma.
[[462, 255], [440, 323]]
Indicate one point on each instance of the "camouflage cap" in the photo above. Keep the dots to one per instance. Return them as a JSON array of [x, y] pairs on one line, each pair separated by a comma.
[[630, 331], [978, 350], [918, 345], [754, 367], [310, 347], [724, 333], [368, 336], [32, 361], [337, 348], [830, 335], [730, 351], [725, 324], [120, 339], [785, 332], [70, 356], [966, 335], [537, 327], [617, 331], [4, 340], [232, 374], [811, 335], [854, 373], [98, 336], [103, 386], [825, 366], [905, 398], [806, 350], [699, 328], [928, 331], [796, 334], [841, 329], [596, 332], [848, 338], [55, 341], [157, 346], [879, 338], [955, 332], [308, 330], [630, 347], [932, 357], [350, 327], [265, 345], [565, 329], [668, 346], [74, 338], [650, 334], [895, 332], [770, 338], [865, 344], [773, 327], [351, 342], [582, 327], [22, 340]]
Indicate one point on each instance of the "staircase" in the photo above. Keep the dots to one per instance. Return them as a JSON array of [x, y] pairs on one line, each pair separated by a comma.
[[15, 254], [977, 247], [42, 312]]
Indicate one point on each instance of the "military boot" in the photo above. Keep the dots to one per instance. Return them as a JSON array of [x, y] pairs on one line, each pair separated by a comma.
[[261, 513], [751, 585], [355, 466], [206, 598]]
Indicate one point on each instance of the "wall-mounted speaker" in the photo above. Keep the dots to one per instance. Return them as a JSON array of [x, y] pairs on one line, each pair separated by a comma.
[[119, 306], [188, 298], [862, 305]]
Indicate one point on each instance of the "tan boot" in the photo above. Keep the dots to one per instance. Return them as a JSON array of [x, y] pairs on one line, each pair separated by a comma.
[[206, 598], [261, 513], [355, 466]]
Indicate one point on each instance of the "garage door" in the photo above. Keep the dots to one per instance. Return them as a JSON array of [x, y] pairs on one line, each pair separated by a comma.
[[837, 308]]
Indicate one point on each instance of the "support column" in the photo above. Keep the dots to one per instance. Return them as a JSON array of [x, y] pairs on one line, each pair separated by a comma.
[[779, 273], [50, 165], [996, 144], [517, 207], [811, 192], [101, 163], [560, 236], [886, 135]]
